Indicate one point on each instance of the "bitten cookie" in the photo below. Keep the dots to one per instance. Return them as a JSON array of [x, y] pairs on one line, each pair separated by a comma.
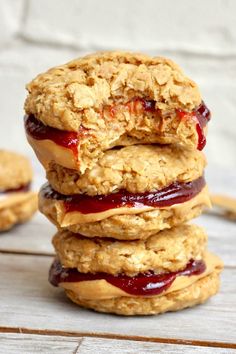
[[76, 111], [160, 188], [17, 202], [167, 272]]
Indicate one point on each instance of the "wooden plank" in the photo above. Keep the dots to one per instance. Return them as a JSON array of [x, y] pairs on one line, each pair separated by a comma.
[[103, 346], [32, 343], [29, 343], [221, 237], [32, 237], [28, 301], [221, 180]]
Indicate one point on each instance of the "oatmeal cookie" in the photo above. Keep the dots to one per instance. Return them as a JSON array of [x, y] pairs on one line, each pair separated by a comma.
[[17, 202], [15, 171], [111, 99], [137, 169], [167, 251], [17, 208]]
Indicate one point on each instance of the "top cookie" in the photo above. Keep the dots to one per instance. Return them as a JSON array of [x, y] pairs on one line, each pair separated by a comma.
[[110, 99], [15, 171]]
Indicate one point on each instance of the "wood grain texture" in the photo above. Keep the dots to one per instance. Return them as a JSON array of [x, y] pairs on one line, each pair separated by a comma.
[[32, 237], [28, 301], [221, 237], [13, 343], [102, 346]]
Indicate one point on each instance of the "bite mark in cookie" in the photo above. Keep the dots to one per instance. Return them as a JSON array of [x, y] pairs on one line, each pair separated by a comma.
[[72, 141], [112, 99]]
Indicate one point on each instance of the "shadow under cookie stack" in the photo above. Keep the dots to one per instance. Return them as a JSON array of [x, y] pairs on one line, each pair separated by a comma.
[[120, 136]]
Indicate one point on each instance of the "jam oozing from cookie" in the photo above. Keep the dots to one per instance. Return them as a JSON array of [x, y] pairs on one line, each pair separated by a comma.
[[21, 189], [70, 140], [177, 192], [142, 284], [201, 115], [135, 106]]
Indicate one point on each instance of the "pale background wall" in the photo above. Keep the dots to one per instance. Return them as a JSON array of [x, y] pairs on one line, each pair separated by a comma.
[[199, 34]]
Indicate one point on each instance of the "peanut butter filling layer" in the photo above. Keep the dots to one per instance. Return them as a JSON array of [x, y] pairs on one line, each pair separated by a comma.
[[101, 289], [55, 206]]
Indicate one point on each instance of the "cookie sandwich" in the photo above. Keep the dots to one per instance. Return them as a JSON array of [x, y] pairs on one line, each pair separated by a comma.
[[17, 202], [168, 271], [132, 192]]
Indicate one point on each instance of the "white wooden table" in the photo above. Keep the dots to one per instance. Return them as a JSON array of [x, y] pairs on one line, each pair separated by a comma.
[[37, 318]]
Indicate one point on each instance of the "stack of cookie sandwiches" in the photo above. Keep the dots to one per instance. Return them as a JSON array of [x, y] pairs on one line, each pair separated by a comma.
[[120, 136]]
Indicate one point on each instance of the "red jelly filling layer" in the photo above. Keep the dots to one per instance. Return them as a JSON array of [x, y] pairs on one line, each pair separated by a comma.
[[23, 188], [70, 140], [39, 131], [173, 194], [140, 285], [201, 115]]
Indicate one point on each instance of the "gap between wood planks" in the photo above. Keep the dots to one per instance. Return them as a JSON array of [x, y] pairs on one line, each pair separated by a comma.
[[119, 337], [78, 346], [26, 253]]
